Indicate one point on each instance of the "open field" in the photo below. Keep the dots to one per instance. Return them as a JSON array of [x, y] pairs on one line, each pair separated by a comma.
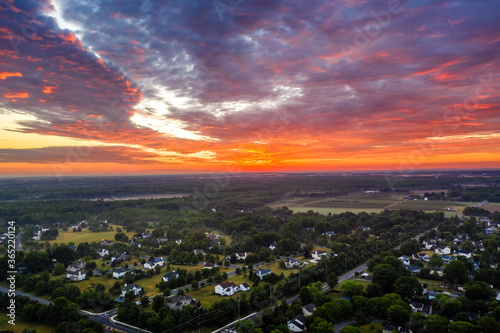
[[367, 202], [492, 206], [87, 236]]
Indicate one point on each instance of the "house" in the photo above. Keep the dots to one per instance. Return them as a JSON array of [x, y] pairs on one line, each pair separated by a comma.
[[161, 239], [489, 231], [120, 257], [429, 244], [209, 265], [328, 233], [308, 309], [437, 270], [494, 265], [76, 275], [169, 276], [478, 245], [146, 235], [405, 260], [241, 255], [432, 294], [498, 297], [119, 272], [318, 254], [139, 245], [427, 310], [132, 287], [102, 252], [447, 259], [244, 286], [157, 262], [37, 235], [465, 253], [442, 250], [292, 262], [226, 288], [96, 272], [365, 228], [413, 269], [179, 302], [178, 241], [203, 253], [389, 328], [76, 266], [273, 246], [417, 307], [263, 272], [424, 257], [214, 239], [106, 242], [297, 324]]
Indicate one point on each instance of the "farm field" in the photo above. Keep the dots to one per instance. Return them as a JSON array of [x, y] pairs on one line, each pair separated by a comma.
[[366, 202], [87, 236]]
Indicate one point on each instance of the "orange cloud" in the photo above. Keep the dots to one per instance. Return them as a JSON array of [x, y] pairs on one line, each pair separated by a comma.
[[16, 95], [48, 90], [4, 75]]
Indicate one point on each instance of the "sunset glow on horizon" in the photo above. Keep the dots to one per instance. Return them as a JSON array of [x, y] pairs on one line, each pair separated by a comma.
[[133, 87]]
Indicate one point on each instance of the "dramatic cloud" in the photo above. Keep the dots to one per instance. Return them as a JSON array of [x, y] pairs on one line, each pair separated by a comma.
[[277, 85]]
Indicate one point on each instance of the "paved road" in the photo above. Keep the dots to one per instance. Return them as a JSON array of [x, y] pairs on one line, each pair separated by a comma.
[[20, 293], [18, 241], [102, 318]]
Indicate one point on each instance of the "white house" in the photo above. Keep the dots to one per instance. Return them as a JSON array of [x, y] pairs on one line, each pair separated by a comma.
[[292, 262], [405, 260], [226, 288], [465, 253], [157, 262], [318, 254], [263, 272], [135, 288], [76, 275], [442, 250], [37, 235], [241, 255], [119, 272], [244, 286], [75, 267], [203, 253], [297, 324], [273, 246], [106, 242], [209, 265], [161, 239], [169, 276], [178, 302], [308, 309], [102, 252]]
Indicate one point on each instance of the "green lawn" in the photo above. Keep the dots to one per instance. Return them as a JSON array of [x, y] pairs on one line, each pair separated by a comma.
[[372, 328], [364, 283], [86, 236]]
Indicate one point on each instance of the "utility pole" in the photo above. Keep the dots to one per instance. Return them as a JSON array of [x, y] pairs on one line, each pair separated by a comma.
[[238, 299]]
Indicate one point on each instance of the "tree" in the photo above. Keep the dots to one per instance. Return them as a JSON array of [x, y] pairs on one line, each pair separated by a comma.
[[408, 286], [488, 325], [144, 301], [350, 329], [58, 269], [479, 290], [320, 325], [398, 315], [40, 288], [158, 302], [437, 324], [436, 261], [385, 275], [349, 288], [456, 272], [461, 327]]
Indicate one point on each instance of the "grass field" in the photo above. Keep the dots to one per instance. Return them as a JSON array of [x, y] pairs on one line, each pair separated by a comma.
[[366, 202], [20, 326], [372, 328], [87, 236]]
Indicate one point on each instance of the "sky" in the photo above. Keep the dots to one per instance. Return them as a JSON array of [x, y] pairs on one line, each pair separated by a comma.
[[195, 86]]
